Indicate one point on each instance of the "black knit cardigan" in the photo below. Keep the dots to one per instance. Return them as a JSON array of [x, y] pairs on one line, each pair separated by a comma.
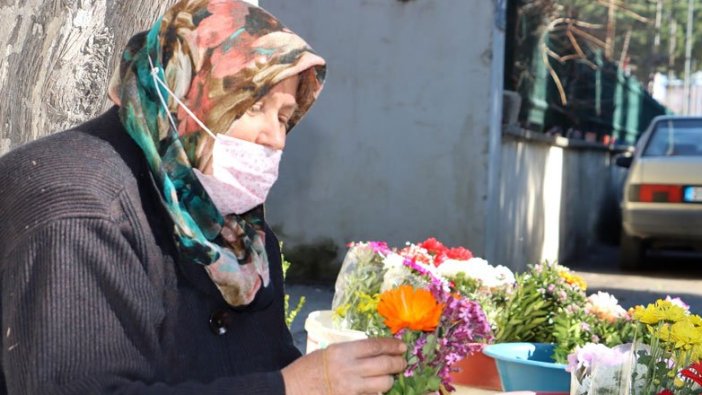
[[92, 297]]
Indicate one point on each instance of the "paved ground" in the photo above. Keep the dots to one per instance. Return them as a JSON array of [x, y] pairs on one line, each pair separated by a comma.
[[318, 298], [666, 274]]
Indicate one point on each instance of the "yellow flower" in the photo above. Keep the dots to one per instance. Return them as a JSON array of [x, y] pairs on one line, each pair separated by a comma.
[[406, 307], [696, 352], [342, 310], [367, 303], [647, 315], [661, 311], [663, 333], [678, 383], [685, 334], [670, 312], [573, 279]]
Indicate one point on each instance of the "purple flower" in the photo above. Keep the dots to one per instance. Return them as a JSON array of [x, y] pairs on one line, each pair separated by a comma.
[[562, 296], [379, 247], [435, 280], [594, 354], [677, 301]]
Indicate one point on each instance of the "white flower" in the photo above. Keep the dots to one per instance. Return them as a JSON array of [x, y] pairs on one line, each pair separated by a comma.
[[605, 306], [504, 276], [450, 268], [479, 269], [393, 261], [395, 277], [396, 273]]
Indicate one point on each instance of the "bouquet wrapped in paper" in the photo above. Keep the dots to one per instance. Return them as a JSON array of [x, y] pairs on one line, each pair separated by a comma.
[[401, 292], [664, 359]]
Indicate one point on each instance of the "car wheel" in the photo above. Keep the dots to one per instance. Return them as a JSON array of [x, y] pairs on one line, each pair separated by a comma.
[[631, 252]]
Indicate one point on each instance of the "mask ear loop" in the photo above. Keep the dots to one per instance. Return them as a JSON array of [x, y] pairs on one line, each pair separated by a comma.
[[157, 82]]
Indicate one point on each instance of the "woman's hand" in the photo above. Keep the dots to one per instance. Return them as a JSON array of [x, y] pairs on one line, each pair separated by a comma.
[[353, 368]]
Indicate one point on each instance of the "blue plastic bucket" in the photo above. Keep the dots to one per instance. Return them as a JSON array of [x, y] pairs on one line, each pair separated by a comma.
[[529, 367]]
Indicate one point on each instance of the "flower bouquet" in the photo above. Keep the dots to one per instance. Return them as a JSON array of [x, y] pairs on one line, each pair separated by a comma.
[[665, 359], [491, 287], [543, 294], [400, 292], [598, 369], [602, 320]]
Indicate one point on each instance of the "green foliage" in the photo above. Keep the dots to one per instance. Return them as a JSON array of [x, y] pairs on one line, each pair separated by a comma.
[[290, 315], [541, 295], [426, 378], [358, 302], [492, 301], [577, 329]]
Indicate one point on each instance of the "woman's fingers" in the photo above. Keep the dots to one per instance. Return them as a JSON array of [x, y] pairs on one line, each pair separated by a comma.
[[381, 365], [375, 347], [353, 368], [377, 385]]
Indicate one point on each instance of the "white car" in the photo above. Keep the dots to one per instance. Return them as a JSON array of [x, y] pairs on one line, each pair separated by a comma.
[[662, 200]]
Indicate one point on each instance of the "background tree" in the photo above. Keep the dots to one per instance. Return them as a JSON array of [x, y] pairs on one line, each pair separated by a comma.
[[642, 56], [56, 58]]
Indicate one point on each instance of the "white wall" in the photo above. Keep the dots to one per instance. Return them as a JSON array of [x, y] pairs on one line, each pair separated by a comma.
[[558, 198], [397, 146]]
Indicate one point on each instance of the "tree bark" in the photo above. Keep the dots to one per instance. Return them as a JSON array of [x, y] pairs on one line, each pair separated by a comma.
[[56, 59]]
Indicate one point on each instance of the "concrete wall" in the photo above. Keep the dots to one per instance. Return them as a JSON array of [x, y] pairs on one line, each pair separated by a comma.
[[557, 198], [397, 146]]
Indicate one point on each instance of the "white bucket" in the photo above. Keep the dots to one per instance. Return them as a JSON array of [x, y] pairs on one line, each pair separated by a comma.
[[321, 332]]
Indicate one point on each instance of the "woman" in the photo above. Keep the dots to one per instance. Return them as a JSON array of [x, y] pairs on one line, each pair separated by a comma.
[[134, 253]]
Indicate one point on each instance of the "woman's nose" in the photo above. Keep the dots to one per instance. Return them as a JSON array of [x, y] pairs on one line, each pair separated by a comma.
[[273, 134]]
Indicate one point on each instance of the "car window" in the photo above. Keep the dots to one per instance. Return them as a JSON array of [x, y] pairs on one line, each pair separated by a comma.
[[682, 137]]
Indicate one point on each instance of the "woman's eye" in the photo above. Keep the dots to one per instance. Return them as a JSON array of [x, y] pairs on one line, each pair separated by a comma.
[[257, 107], [284, 122]]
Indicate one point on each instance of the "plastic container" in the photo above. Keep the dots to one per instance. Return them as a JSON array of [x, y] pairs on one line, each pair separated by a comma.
[[529, 367], [321, 332], [478, 371]]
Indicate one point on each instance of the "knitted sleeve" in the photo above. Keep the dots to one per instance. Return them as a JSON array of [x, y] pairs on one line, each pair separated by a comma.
[[79, 316]]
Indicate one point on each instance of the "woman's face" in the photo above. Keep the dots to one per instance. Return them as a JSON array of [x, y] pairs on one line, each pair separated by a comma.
[[266, 122]]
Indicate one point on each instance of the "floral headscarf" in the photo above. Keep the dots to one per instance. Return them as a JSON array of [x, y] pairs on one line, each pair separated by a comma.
[[218, 57]]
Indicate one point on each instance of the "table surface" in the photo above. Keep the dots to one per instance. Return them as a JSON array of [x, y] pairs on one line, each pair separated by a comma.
[[460, 390]]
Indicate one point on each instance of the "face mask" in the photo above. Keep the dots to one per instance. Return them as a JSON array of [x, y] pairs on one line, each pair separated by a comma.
[[242, 172]]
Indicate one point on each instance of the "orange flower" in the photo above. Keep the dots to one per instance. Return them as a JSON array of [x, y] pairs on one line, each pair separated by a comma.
[[405, 307]]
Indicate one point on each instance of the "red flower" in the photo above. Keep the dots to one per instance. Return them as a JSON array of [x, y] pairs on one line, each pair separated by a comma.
[[666, 392], [440, 258], [459, 254], [693, 372], [433, 246]]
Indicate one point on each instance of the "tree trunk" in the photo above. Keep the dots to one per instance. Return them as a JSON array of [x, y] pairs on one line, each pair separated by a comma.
[[56, 59]]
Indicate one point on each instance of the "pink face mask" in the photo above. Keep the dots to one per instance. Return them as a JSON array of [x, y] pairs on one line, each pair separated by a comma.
[[242, 172]]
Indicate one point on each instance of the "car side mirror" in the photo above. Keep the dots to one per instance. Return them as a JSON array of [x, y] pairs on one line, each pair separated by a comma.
[[624, 160]]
